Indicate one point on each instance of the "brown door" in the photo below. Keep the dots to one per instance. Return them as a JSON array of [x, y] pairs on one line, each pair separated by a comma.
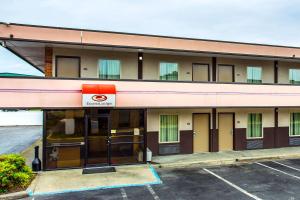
[[67, 67], [226, 131], [201, 132], [225, 73], [200, 72]]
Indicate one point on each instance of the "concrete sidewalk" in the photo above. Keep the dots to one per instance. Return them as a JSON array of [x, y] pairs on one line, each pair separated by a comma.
[[226, 157], [72, 180]]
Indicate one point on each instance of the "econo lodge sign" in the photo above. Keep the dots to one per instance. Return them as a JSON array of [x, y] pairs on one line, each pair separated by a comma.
[[98, 95]]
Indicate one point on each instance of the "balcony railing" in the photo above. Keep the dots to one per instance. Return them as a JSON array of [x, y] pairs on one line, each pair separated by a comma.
[[62, 93]]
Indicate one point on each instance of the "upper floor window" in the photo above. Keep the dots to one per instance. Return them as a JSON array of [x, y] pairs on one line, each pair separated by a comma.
[[109, 69], [254, 126], [168, 71], [254, 74], [294, 76], [295, 124]]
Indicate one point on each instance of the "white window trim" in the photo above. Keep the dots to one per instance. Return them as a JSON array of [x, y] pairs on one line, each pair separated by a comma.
[[178, 69], [262, 127], [261, 79], [98, 66], [178, 132], [290, 128], [290, 77]]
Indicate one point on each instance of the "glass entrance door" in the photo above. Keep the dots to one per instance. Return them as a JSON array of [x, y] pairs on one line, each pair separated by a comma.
[[97, 140]]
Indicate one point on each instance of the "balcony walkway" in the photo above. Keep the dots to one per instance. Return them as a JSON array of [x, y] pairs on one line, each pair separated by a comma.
[[226, 157]]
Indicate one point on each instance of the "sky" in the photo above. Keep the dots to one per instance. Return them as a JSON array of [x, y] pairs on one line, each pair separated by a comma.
[[255, 21]]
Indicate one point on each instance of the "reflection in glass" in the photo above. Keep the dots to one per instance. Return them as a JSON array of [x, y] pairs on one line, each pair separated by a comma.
[[64, 138]]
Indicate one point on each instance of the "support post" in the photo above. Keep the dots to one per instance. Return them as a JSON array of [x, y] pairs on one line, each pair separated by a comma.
[[140, 65], [214, 69]]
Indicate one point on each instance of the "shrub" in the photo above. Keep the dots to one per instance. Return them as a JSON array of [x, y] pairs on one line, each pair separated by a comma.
[[14, 174]]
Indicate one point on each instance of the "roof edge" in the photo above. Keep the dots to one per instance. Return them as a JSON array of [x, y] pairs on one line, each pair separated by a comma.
[[151, 35]]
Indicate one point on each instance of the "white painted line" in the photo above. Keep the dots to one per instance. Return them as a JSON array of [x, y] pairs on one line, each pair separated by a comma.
[[297, 177], [286, 166], [152, 192], [233, 185], [124, 195]]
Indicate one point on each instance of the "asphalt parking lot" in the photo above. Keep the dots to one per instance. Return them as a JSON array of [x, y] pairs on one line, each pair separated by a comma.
[[15, 139], [262, 180]]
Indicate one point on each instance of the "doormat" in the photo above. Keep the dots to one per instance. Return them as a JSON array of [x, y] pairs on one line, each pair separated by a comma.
[[95, 170]]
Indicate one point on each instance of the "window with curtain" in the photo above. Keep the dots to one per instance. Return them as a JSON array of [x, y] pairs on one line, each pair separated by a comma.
[[109, 69], [168, 128], [254, 128], [168, 71], [294, 76], [295, 124], [254, 74]]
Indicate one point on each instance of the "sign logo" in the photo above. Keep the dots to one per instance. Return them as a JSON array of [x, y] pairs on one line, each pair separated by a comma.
[[99, 98]]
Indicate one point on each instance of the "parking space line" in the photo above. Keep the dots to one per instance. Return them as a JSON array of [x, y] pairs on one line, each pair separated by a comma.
[[152, 192], [286, 166], [123, 192], [283, 172], [233, 185]]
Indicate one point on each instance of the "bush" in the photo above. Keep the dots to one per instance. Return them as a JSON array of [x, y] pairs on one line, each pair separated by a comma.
[[14, 174]]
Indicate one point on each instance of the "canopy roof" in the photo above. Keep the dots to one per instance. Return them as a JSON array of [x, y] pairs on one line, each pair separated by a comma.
[[29, 41]]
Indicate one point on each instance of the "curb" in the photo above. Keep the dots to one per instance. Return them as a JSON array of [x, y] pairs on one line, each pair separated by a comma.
[[15, 195], [231, 161]]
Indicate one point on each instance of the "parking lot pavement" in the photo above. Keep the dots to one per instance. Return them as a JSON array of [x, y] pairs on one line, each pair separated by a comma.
[[263, 180], [15, 139]]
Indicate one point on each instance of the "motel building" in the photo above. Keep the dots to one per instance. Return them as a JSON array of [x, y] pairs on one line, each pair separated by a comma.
[[108, 96]]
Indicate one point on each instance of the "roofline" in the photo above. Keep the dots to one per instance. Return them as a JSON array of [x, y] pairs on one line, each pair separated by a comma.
[[145, 48], [23, 58], [150, 35]]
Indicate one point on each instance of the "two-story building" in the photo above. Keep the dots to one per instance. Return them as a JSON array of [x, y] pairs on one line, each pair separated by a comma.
[[108, 96]]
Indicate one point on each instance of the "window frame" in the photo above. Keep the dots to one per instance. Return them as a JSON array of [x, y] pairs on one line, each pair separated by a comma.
[[178, 67], [98, 68], [178, 131], [290, 126], [296, 69], [261, 74], [262, 128]]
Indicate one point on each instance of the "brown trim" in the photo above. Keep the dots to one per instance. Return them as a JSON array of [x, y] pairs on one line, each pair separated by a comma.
[[145, 136], [214, 69], [140, 65], [282, 135], [269, 137], [275, 127], [240, 141], [186, 141], [276, 71], [152, 142], [44, 140], [209, 126], [208, 71], [233, 71], [61, 56], [214, 136]]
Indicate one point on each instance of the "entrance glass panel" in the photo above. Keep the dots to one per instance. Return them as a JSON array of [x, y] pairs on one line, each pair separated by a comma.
[[64, 139], [97, 140]]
